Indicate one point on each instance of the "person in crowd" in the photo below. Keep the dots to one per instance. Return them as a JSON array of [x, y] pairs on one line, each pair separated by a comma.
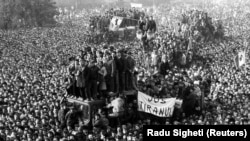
[[189, 102], [98, 123], [147, 25], [111, 73], [71, 77], [155, 59], [117, 105], [163, 66], [104, 119], [81, 78], [121, 67], [152, 25], [117, 81], [141, 24], [102, 79], [71, 118], [129, 72], [92, 80], [62, 116]]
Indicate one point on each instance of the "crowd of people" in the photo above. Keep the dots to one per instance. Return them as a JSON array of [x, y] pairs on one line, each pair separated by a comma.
[[102, 22], [37, 66]]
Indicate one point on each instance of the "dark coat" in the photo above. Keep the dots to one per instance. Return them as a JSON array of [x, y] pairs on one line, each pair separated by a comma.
[[152, 25], [189, 103], [92, 73], [111, 67], [130, 63], [98, 123], [141, 25], [81, 78], [121, 64], [163, 67], [71, 118]]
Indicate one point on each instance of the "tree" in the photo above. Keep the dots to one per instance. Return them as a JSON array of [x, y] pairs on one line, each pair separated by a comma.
[[16, 13]]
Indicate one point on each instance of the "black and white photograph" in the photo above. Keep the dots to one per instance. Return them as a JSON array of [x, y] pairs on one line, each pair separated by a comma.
[[103, 70]]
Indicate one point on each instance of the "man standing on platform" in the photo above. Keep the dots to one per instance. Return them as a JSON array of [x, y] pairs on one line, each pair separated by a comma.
[[163, 66], [92, 80], [81, 78], [130, 70], [121, 67], [111, 73], [152, 25]]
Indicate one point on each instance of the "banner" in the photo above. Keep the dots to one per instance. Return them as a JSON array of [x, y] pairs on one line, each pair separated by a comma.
[[161, 107], [115, 23], [136, 5]]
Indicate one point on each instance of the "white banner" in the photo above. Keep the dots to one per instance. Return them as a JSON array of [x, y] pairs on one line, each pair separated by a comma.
[[115, 23], [161, 107], [136, 5]]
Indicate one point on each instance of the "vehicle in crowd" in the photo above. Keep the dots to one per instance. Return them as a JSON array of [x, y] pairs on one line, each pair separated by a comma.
[[86, 110]]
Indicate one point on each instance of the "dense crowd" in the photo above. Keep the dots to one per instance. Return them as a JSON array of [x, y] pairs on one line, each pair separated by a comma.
[[102, 22], [40, 65]]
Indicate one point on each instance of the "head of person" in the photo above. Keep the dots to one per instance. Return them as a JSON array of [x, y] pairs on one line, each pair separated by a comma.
[[82, 62], [151, 18], [76, 62], [164, 58], [119, 54], [97, 116]]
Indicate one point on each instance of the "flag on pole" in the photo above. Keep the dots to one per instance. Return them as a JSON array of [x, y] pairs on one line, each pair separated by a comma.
[[190, 44], [115, 23]]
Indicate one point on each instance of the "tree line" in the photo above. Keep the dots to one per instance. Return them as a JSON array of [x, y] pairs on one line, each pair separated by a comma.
[[27, 13]]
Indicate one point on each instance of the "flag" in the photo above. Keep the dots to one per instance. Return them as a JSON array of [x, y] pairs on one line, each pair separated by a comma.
[[183, 59], [240, 59], [190, 44]]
